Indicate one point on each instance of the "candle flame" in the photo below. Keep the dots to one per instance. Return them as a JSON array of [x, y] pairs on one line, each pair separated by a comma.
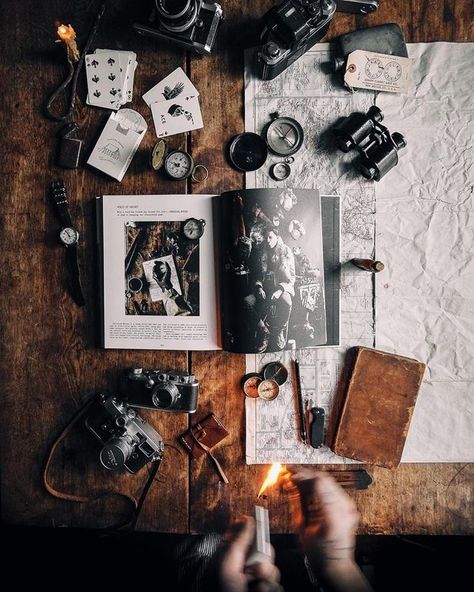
[[67, 34], [272, 477]]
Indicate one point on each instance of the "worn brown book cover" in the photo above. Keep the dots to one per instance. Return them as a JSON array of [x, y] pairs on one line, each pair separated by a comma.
[[376, 399]]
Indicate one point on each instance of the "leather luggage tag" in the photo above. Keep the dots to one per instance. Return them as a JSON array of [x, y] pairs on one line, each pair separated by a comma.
[[205, 434]]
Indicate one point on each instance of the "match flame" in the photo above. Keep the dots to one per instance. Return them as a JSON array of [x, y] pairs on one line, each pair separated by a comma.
[[275, 470]]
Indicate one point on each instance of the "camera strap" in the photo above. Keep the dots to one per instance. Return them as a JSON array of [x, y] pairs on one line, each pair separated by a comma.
[[132, 502]]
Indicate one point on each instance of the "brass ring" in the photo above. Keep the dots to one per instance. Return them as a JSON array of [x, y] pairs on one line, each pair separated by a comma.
[[206, 173]]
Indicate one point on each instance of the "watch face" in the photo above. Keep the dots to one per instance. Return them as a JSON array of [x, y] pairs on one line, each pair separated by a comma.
[[284, 136], [69, 236], [179, 164], [193, 228]]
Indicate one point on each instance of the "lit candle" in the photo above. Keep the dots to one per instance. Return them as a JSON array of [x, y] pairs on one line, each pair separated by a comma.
[[68, 36]]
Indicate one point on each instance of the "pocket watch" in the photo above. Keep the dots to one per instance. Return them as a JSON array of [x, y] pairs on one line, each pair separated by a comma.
[[193, 228], [284, 135], [158, 155]]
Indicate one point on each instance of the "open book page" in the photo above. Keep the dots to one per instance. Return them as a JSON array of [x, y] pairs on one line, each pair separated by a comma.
[[158, 277], [273, 273]]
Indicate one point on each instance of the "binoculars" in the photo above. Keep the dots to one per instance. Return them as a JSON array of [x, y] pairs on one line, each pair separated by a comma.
[[377, 147]]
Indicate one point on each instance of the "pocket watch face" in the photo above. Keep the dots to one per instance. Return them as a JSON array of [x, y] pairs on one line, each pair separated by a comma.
[[69, 236], [179, 164], [284, 136], [193, 228]]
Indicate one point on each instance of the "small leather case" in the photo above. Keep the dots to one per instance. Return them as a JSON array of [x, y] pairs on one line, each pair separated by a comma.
[[203, 436]]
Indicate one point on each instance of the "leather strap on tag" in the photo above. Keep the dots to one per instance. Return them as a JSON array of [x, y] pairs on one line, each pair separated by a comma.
[[207, 450]]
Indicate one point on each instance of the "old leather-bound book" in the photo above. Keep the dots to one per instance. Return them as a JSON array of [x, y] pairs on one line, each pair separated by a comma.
[[374, 406]]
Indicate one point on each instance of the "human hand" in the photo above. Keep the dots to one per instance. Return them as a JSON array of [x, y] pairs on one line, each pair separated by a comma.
[[277, 294], [232, 573], [260, 293], [328, 518]]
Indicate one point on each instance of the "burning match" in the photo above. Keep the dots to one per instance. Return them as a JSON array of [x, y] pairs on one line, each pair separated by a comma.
[[67, 35], [275, 471]]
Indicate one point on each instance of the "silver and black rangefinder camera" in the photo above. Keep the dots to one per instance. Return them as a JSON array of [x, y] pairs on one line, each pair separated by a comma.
[[192, 24], [287, 32], [158, 389], [128, 440]]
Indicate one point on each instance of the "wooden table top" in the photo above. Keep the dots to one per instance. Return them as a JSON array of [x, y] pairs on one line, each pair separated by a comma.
[[51, 362]]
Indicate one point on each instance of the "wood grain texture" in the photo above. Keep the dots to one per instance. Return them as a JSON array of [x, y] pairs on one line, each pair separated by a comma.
[[51, 363]]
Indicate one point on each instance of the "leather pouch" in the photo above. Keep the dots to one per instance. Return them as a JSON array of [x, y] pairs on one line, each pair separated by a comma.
[[203, 436]]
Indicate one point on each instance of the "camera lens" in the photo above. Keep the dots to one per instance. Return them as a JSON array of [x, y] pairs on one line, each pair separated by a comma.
[[115, 453], [177, 15], [164, 395]]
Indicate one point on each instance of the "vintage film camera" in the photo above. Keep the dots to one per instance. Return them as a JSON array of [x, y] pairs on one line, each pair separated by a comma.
[[156, 389], [192, 24], [287, 31], [378, 148], [128, 440]]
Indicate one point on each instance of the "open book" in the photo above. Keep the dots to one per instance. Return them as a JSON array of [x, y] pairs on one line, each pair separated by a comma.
[[248, 274]]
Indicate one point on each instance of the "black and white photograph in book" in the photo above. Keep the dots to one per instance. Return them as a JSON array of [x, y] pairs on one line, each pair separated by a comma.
[[273, 277], [161, 270]]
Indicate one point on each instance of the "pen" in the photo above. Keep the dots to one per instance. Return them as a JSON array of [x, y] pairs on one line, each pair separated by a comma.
[[299, 395]]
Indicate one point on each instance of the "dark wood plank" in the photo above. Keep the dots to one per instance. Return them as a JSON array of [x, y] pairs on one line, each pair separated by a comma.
[[51, 362], [423, 499]]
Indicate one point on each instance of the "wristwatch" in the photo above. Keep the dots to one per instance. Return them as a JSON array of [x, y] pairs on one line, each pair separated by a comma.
[[69, 237]]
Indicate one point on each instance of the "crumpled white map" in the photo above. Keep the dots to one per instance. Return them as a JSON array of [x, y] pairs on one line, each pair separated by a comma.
[[423, 230]]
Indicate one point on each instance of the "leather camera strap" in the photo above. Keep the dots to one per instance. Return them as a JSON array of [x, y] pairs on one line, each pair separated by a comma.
[[135, 506], [217, 464]]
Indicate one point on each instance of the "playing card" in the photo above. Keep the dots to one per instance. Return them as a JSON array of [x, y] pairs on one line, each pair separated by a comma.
[[175, 85], [176, 116], [104, 80], [128, 65]]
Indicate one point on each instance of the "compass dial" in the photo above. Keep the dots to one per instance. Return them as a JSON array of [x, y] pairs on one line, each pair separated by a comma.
[[250, 383], [179, 164], [284, 136], [268, 389]]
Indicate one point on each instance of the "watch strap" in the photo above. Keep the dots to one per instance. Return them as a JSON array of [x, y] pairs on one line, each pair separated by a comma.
[[58, 195], [73, 275]]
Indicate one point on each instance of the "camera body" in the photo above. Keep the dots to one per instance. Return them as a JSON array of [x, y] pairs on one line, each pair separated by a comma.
[[288, 31], [171, 391], [128, 440], [377, 147], [191, 24]]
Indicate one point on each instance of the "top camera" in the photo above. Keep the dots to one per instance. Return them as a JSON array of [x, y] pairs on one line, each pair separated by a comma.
[[288, 31], [157, 389], [191, 24]]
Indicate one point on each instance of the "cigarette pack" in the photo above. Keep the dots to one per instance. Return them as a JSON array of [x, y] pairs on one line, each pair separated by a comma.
[[118, 143]]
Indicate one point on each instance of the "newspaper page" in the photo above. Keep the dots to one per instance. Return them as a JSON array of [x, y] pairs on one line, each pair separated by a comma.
[[423, 301]]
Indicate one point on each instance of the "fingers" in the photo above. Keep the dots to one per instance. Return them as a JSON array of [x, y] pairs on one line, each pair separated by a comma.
[[238, 538], [264, 570]]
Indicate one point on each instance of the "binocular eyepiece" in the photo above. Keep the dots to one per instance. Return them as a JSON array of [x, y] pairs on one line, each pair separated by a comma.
[[378, 148]]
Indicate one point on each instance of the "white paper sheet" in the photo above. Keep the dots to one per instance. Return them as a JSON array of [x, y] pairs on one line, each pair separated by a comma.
[[424, 300]]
